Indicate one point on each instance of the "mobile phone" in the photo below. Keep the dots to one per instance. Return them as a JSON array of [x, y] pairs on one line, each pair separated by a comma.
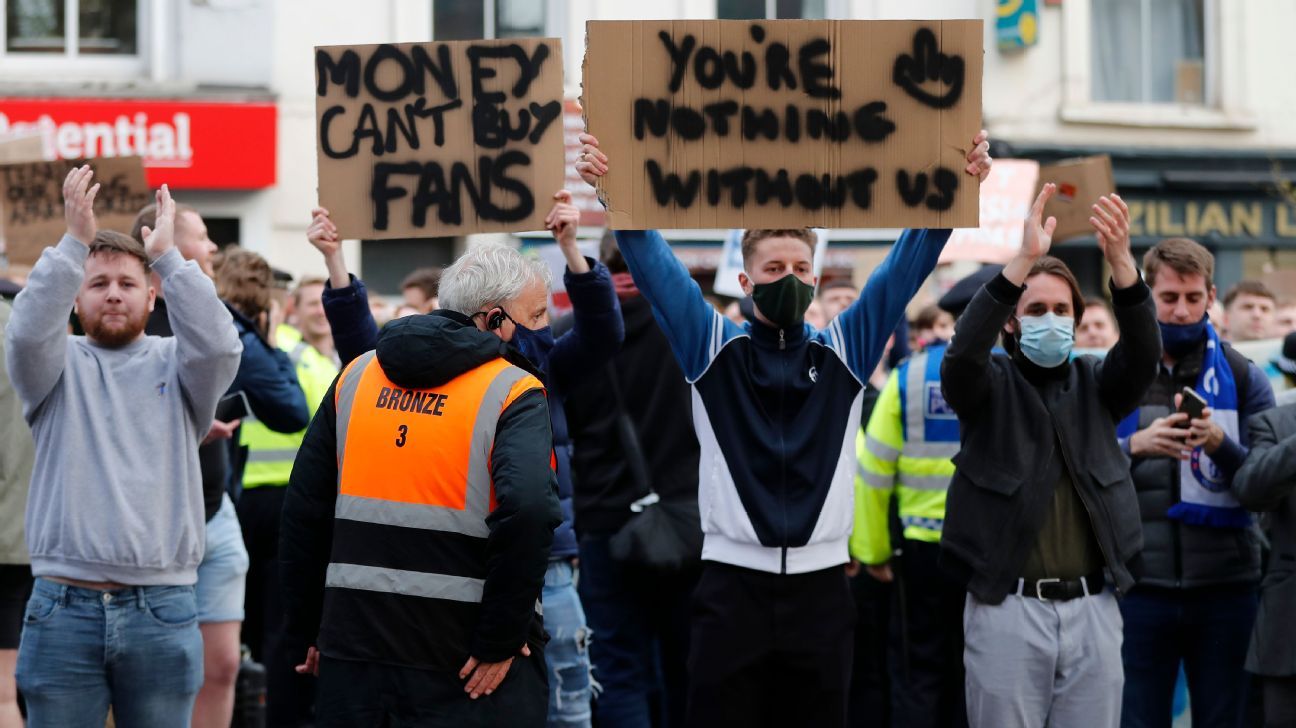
[[1192, 403], [233, 406]]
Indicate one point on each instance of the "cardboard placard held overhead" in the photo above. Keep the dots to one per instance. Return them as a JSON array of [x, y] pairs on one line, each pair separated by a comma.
[[26, 147], [33, 201], [1080, 183], [790, 123], [436, 139]]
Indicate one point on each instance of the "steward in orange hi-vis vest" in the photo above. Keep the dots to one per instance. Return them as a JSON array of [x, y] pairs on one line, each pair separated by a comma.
[[421, 507]]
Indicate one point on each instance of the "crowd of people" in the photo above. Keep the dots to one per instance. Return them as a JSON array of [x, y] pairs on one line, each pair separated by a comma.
[[1023, 507]]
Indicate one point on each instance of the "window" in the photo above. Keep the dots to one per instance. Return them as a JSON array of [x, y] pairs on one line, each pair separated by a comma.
[[472, 19], [771, 9], [72, 28], [1149, 51]]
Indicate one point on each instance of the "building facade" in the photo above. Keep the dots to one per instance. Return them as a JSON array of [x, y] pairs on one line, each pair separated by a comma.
[[1190, 98]]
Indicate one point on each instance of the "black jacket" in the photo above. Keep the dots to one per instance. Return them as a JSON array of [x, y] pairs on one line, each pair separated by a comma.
[[658, 402], [1267, 482], [1011, 426], [1183, 555], [422, 352]]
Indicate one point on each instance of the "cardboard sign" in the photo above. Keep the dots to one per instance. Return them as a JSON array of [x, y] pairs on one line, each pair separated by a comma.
[[33, 201], [436, 139], [1006, 198], [26, 147], [1080, 182], [779, 124]]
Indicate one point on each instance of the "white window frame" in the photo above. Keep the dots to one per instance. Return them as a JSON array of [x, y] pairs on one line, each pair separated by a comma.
[[1225, 84], [19, 66]]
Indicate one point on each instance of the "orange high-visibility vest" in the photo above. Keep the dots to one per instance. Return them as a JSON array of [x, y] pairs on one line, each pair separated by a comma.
[[414, 480]]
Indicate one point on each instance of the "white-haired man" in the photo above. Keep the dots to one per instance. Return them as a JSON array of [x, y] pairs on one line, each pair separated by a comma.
[[420, 512]]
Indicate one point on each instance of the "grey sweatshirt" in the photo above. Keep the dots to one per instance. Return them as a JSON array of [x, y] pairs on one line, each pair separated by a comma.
[[116, 494]]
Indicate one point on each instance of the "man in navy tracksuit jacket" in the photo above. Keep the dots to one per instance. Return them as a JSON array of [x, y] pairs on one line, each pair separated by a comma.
[[776, 407]]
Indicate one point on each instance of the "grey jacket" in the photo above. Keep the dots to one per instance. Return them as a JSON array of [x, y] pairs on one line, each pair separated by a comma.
[[1267, 482], [16, 455]]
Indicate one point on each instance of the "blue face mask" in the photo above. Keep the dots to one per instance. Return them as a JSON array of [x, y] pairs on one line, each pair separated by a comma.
[[535, 345], [1047, 340], [1180, 339]]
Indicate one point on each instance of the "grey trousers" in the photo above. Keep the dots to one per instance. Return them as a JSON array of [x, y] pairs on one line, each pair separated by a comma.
[[1032, 663]]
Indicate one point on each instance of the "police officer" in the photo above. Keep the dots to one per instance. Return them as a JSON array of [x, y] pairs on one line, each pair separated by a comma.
[[904, 453]]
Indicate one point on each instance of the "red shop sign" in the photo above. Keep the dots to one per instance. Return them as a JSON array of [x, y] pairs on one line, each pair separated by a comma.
[[185, 144]]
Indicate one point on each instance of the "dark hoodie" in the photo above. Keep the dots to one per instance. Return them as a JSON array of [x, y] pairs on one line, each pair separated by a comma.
[[425, 352]]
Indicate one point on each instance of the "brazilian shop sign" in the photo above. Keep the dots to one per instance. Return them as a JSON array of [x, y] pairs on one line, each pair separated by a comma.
[[435, 139], [773, 124]]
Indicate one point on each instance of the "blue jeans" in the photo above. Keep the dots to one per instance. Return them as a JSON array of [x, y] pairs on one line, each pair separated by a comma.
[[641, 619], [567, 653], [1208, 630], [137, 649]]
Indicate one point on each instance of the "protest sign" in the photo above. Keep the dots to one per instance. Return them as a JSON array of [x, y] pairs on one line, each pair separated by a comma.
[[438, 139], [1080, 182], [33, 201], [775, 124], [1006, 198], [24, 147]]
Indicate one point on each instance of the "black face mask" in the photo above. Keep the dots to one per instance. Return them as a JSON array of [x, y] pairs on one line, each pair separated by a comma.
[[783, 302]]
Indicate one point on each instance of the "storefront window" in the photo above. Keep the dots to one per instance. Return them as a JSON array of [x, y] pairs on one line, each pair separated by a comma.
[[102, 27], [1149, 51], [472, 19]]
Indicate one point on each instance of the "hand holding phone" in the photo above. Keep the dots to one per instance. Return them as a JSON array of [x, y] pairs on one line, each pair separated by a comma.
[[233, 406], [1191, 404]]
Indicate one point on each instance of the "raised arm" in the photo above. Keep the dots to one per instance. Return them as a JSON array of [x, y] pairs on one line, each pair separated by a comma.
[[693, 327], [597, 328], [36, 337], [965, 371], [346, 302], [866, 325], [207, 345], [1131, 365]]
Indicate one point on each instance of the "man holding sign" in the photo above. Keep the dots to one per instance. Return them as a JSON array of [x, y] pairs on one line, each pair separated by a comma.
[[776, 406]]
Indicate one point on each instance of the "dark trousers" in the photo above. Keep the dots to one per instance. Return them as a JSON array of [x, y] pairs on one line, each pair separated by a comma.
[[353, 694], [639, 620], [870, 686], [1279, 701], [1208, 629], [289, 696], [926, 652], [770, 649]]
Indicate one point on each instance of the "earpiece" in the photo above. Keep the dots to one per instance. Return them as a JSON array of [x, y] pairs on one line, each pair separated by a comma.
[[495, 320]]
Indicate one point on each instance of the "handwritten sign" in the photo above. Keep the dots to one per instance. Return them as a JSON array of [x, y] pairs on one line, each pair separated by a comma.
[[767, 124], [435, 139], [1006, 198], [32, 194]]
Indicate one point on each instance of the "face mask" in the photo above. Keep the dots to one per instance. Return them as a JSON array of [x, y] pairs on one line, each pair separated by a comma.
[[1181, 339], [1047, 340], [535, 344], [1100, 353], [783, 302]]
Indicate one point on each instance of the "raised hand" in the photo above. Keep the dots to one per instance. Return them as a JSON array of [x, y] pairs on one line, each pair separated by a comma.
[[1037, 238], [928, 64], [592, 163], [979, 158], [78, 204], [322, 233], [161, 238], [563, 220], [1111, 224]]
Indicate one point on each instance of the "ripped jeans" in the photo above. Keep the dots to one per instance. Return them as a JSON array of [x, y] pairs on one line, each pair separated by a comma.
[[567, 654]]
